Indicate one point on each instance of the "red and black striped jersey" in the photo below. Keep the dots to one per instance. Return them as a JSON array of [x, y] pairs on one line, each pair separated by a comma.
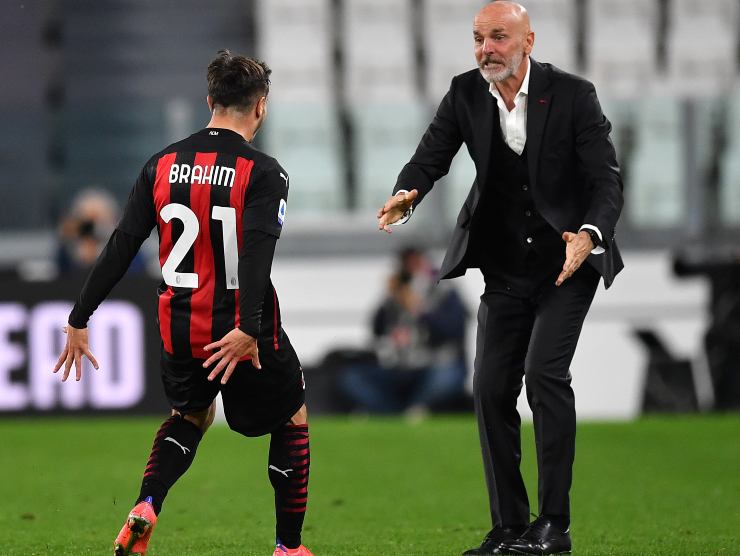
[[206, 194]]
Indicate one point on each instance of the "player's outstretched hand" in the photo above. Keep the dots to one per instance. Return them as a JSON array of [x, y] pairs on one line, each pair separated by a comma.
[[75, 348], [231, 348], [577, 249], [394, 209]]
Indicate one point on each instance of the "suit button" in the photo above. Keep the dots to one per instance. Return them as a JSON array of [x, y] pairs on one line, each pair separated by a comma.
[[525, 187], [530, 240], [527, 213]]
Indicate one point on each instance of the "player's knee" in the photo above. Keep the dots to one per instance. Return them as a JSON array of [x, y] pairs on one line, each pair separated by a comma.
[[300, 417], [201, 419]]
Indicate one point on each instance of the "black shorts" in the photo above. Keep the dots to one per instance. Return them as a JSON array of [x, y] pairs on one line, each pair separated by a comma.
[[256, 402]]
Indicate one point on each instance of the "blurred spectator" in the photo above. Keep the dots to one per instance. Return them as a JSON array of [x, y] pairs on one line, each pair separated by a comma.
[[85, 230], [419, 343]]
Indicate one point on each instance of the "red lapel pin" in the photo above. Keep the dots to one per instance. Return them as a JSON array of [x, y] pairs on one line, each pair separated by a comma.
[[542, 101]]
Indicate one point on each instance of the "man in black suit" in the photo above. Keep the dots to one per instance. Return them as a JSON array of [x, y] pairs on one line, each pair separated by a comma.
[[546, 199]]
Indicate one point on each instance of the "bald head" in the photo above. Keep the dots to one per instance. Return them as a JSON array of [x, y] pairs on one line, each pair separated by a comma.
[[504, 10], [503, 39]]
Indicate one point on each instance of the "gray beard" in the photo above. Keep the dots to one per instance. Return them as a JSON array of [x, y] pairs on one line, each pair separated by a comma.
[[504, 74]]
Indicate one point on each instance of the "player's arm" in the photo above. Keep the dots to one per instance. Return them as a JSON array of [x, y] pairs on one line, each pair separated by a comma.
[[264, 212], [430, 162], [123, 245]]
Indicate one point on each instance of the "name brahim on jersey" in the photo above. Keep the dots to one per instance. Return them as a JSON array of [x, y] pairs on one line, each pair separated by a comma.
[[202, 175]]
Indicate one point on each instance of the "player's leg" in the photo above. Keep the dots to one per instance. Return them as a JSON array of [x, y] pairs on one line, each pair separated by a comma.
[[173, 450], [288, 467], [172, 453]]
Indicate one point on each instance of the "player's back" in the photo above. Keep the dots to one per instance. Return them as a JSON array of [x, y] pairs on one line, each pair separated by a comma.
[[200, 190]]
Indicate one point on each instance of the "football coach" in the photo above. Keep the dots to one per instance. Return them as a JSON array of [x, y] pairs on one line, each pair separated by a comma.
[[539, 223]]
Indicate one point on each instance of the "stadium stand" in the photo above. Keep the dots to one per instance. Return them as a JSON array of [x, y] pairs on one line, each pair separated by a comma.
[[447, 26], [295, 38], [621, 47], [707, 67], [305, 139], [122, 70], [556, 32], [729, 184], [378, 45], [26, 137], [385, 137], [656, 197]]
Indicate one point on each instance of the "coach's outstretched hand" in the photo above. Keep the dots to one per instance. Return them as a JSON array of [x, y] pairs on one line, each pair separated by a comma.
[[232, 347], [394, 209], [76, 347], [577, 248]]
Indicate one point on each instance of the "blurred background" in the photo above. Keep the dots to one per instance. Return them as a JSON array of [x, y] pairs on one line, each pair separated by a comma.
[[91, 89]]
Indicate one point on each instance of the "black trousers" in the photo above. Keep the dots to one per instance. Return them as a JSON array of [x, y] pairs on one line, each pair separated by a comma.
[[534, 335]]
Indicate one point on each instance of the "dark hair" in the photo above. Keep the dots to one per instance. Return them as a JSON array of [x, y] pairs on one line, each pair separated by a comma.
[[237, 80]]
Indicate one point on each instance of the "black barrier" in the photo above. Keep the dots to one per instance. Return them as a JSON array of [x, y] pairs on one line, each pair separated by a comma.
[[123, 337]]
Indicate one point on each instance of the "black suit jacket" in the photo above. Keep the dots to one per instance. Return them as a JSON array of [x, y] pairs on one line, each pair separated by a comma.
[[573, 169]]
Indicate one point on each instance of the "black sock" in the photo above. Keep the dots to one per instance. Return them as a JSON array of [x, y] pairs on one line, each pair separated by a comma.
[[172, 453], [288, 466]]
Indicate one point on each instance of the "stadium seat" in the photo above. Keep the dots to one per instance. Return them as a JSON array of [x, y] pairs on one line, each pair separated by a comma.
[[29, 66], [554, 25], [386, 135], [712, 67], [622, 115], [447, 40], [378, 48], [305, 140], [136, 48], [656, 192], [108, 142], [26, 186], [621, 46], [729, 178], [729, 188], [296, 40]]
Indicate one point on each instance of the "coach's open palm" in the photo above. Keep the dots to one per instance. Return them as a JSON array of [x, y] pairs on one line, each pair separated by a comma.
[[231, 348], [394, 209], [74, 349]]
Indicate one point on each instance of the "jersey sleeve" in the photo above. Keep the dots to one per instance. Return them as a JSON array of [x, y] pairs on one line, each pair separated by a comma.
[[255, 264], [107, 271], [139, 216], [266, 202]]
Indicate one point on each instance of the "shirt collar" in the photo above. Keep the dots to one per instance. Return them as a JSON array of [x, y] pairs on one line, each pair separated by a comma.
[[523, 90]]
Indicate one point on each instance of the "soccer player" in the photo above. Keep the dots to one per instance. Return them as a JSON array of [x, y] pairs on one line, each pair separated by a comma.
[[219, 206]]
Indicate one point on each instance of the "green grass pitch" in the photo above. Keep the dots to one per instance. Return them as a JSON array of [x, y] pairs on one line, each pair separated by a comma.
[[658, 486]]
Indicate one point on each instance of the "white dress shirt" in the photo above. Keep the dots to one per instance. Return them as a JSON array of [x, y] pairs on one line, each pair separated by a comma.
[[514, 123]]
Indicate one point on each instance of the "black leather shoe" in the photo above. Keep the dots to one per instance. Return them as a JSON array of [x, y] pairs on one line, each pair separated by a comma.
[[540, 538], [491, 545]]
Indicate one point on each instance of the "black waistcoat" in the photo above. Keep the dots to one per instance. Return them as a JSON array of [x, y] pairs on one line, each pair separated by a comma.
[[513, 245]]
